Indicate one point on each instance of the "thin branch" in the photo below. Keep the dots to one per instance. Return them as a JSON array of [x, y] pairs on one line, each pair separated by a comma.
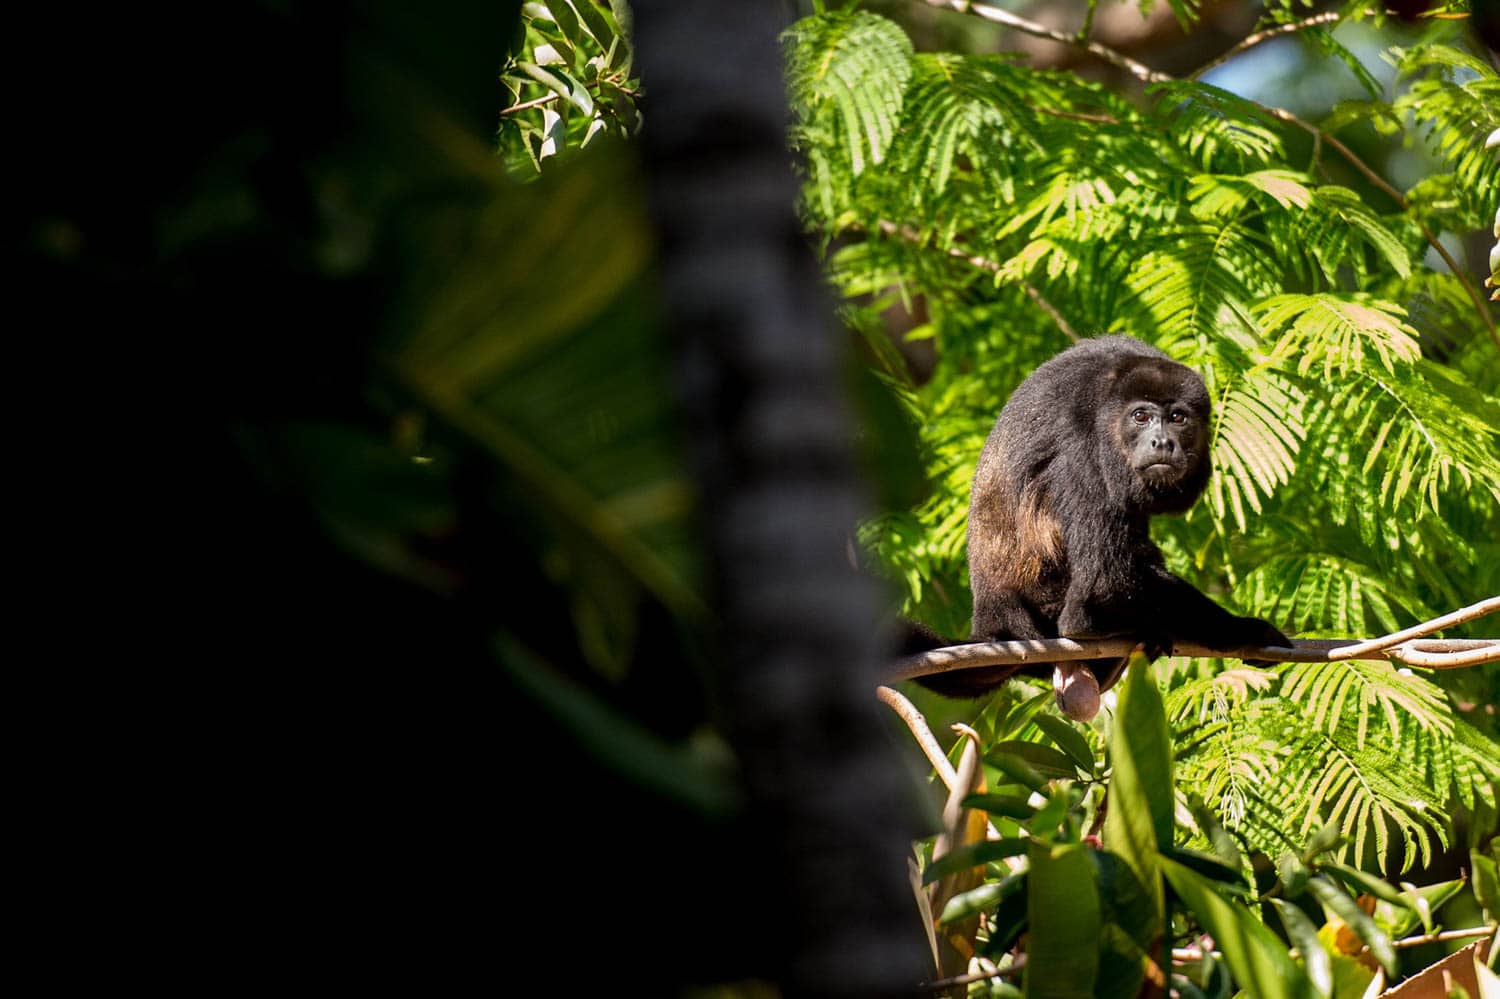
[[1005, 17], [1250, 41], [1051, 310], [920, 730], [1102, 119], [969, 774], [528, 105], [1439, 654], [1451, 660], [1472, 931], [923, 734], [1014, 968], [1470, 613]]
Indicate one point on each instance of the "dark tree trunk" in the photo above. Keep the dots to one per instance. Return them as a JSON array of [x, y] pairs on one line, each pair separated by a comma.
[[761, 374]]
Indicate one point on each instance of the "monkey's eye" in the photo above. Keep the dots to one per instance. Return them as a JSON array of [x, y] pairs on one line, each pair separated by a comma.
[[1178, 416], [1141, 417]]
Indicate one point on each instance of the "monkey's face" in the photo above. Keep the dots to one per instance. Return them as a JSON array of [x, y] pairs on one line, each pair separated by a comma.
[[1163, 442], [1161, 426]]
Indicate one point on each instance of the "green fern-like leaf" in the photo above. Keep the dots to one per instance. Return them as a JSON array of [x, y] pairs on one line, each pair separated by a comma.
[[966, 115], [857, 63], [1330, 691], [1455, 100], [1327, 593], [1217, 129], [1336, 331], [1259, 432]]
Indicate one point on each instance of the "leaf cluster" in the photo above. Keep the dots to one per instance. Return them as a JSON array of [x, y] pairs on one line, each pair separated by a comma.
[[570, 77], [1356, 449]]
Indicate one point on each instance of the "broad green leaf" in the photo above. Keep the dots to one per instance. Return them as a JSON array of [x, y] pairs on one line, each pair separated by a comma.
[[1009, 805], [983, 899], [1219, 838], [1343, 905], [1139, 820], [1257, 959], [1486, 882], [1069, 740], [1292, 873], [1365, 884], [1304, 936], [972, 855], [1062, 956], [1017, 769], [1207, 865], [1043, 759]]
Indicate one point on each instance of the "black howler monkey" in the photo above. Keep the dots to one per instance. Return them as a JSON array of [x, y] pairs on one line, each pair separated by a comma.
[[1096, 441]]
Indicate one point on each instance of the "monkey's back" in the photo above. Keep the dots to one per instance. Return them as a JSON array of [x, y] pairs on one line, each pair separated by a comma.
[[1015, 542]]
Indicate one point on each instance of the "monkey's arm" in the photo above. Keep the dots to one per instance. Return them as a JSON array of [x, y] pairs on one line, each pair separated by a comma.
[[1185, 613]]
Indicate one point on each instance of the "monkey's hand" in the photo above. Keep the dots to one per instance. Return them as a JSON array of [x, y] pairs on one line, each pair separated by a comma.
[[1256, 633]]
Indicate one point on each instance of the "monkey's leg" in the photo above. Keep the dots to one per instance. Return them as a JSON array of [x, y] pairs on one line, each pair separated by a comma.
[[1076, 684]]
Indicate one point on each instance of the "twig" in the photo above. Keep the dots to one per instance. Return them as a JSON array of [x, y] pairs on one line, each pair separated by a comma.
[[910, 235], [1005, 17], [1102, 119], [1472, 931], [1487, 606], [1483, 653], [969, 773], [1051, 310], [1250, 41], [931, 748], [1014, 968], [923, 734], [528, 105], [1439, 653]]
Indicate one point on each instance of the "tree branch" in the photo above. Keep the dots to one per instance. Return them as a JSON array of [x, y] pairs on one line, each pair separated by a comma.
[[1472, 931], [1425, 653], [1005, 17], [922, 733], [528, 105], [1250, 41], [1487, 606], [1051, 310], [931, 748]]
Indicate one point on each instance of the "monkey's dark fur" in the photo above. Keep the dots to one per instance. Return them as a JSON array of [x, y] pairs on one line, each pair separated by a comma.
[[1098, 440]]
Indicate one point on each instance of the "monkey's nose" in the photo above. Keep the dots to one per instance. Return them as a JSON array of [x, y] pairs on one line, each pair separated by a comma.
[[1163, 444]]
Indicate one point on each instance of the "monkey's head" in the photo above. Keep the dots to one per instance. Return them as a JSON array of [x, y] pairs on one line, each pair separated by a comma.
[[1158, 415]]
